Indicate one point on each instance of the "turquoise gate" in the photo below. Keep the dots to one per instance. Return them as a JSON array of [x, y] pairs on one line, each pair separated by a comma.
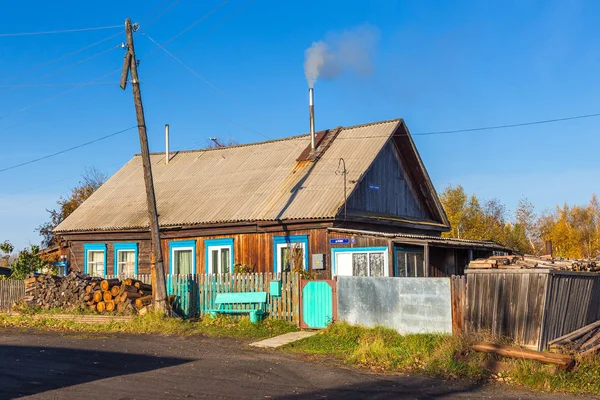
[[318, 304]]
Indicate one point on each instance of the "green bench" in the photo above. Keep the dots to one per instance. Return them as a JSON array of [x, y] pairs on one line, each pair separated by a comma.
[[257, 299]]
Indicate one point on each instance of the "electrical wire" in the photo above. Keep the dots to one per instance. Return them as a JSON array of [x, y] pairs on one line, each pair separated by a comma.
[[66, 150], [208, 14], [485, 128], [54, 85], [160, 15], [60, 31], [181, 100], [70, 65], [58, 95], [203, 79], [28, 71]]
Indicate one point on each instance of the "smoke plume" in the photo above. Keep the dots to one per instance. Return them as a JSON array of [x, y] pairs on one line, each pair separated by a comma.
[[340, 51]]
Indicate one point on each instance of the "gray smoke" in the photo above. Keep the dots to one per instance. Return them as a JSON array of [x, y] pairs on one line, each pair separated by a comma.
[[340, 51]]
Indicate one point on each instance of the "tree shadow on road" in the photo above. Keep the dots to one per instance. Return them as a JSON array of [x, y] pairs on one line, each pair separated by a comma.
[[413, 387], [30, 370]]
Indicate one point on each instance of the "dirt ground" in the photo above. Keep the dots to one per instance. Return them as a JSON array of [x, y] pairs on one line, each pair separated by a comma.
[[41, 365]]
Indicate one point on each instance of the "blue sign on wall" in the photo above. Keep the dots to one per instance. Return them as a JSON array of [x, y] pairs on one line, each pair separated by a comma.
[[339, 241]]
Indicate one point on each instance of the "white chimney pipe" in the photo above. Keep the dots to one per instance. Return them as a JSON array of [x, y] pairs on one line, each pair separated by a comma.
[[166, 144], [311, 106]]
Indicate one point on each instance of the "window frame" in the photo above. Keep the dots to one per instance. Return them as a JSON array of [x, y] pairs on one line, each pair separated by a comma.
[[129, 246], [87, 247], [409, 250], [289, 240], [178, 246], [219, 243], [367, 250]]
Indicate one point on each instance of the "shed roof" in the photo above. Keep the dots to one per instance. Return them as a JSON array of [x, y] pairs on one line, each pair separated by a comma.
[[254, 182]]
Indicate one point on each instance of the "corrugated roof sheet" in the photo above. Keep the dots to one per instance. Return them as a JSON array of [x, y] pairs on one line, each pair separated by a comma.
[[254, 182]]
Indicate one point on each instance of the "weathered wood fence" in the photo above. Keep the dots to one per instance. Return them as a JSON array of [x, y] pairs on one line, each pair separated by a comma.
[[194, 294], [458, 291], [530, 306], [11, 291]]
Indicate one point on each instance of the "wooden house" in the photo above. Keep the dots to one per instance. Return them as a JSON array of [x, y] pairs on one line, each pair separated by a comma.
[[361, 203]]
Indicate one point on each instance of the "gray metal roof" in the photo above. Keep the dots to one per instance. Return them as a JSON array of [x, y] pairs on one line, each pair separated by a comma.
[[254, 182]]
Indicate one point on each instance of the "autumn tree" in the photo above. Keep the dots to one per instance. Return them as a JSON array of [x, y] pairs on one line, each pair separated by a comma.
[[90, 181]]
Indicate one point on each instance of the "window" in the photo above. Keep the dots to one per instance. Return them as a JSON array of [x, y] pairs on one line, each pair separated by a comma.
[[369, 261], [94, 259], [126, 259], [219, 256], [183, 257], [291, 252], [409, 262]]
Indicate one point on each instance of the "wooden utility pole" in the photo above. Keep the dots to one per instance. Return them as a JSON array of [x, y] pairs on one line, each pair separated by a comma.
[[130, 65]]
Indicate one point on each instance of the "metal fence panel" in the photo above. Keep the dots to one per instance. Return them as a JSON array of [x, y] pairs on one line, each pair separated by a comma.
[[408, 305]]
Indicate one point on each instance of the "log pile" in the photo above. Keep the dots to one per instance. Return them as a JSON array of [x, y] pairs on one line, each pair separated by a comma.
[[582, 341], [78, 291], [529, 261]]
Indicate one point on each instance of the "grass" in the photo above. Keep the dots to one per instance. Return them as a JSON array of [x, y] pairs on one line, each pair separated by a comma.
[[384, 350], [155, 324]]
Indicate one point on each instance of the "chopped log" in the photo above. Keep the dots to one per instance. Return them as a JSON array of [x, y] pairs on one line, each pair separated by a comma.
[[129, 288], [121, 307], [128, 282], [97, 296], [100, 307], [143, 286], [562, 360], [115, 290], [143, 301], [106, 296], [129, 295], [110, 306], [108, 283], [30, 281], [88, 289], [92, 307]]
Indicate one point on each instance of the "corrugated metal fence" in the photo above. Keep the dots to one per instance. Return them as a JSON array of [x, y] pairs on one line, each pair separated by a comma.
[[11, 291], [530, 306]]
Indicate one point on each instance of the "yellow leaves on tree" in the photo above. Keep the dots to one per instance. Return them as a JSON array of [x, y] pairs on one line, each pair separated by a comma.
[[574, 231]]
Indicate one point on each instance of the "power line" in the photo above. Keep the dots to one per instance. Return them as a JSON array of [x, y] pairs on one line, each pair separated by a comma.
[[485, 128], [58, 95], [161, 14], [208, 14], [54, 85], [175, 97], [61, 57], [60, 31], [66, 150], [72, 65]]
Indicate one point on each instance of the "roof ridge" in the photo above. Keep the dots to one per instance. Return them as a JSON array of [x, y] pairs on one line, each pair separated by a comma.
[[276, 140]]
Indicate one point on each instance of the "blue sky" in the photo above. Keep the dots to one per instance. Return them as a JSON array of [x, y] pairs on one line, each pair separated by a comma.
[[438, 65]]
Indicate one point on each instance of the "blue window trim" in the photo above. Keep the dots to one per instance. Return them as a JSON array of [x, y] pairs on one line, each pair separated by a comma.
[[336, 250], [226, 242], [406, 249], [290, 240], [127, 247], [93, 247], [178, 245]]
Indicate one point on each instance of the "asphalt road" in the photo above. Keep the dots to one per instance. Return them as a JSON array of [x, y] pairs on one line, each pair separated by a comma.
[[40, 365]]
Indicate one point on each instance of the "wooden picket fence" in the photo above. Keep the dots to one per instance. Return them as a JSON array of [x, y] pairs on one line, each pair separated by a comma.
[[194, 294], [197, 293], [11, 291]]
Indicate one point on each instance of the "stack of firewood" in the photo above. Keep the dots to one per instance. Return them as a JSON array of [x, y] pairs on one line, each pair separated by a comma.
[[528, 261], [582, 341], [83, 291]]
